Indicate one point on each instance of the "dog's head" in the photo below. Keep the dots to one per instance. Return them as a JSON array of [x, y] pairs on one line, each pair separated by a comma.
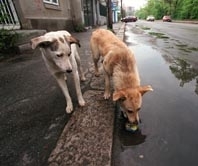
[[56, 47], [130, 101]]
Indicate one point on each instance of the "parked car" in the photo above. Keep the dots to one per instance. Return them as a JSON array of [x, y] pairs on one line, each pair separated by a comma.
[[129, 19], [150, 18], [167, 18]]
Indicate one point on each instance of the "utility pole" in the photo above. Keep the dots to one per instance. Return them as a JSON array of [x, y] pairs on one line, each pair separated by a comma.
[[109, 15], [121, 9]]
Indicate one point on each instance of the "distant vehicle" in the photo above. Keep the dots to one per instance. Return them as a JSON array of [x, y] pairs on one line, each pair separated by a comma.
[[167, 19], [129, 19], [150, 18]]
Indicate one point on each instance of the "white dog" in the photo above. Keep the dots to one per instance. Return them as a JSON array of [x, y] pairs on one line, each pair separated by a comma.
[[60, 55]]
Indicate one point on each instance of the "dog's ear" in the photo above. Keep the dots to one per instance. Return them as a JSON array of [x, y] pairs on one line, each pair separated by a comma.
[[144, 89], [118, 95], [41, 41], [72, 40]]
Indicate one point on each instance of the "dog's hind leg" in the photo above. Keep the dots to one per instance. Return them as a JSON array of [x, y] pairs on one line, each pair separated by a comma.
[[60, 77], [95, 57], [107, 92]]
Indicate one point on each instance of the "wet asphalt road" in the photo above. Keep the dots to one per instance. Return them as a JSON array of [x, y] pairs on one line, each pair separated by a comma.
[[167, 58], [31, 111]]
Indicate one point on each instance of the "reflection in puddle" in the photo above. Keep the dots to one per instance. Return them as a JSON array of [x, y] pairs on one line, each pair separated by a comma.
[[128, 138], [183, 71], [129, 40], [150, 58]]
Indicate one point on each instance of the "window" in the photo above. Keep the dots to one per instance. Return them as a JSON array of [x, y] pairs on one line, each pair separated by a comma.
[[53, 2]]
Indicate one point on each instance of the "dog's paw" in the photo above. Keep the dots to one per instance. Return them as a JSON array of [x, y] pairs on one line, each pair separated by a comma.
[[82, 78], [97, 74], [69, 109], [107, 96], [81, 101]]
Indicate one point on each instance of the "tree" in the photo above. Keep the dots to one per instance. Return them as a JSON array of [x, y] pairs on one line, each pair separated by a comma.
[[178, 9]]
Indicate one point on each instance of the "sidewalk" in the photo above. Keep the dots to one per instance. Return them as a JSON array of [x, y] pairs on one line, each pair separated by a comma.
[[87, 137]]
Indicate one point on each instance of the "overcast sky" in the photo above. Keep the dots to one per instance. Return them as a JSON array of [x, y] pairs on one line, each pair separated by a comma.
[[135, 3]]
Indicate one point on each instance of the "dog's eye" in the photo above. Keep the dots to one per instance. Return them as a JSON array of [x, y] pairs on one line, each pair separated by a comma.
[[69, 54], [59, 55], [122, 98]]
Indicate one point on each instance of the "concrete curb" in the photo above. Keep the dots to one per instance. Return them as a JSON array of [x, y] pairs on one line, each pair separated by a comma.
[[87, 137]]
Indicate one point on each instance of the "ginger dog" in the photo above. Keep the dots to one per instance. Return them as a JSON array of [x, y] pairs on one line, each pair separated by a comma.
[[59, 52], [119, 62]]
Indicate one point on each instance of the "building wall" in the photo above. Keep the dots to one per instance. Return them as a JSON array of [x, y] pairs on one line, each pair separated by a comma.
[[35, 14], [77, 13]]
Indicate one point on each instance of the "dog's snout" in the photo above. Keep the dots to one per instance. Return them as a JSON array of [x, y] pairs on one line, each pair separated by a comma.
[[69, 70], [130, 111], [135, 122]]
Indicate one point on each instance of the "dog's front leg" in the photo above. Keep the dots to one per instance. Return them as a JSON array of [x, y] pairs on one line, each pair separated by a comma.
[[78, 89], [77, 58], [60, 77], [76, 80], [107, 86]]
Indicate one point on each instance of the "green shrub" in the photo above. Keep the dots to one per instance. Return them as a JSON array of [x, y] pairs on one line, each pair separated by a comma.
[[79, 28], [7, 41]]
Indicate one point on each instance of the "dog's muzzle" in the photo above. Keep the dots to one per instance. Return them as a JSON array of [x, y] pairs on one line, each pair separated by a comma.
[[69, 71], [136, 122]]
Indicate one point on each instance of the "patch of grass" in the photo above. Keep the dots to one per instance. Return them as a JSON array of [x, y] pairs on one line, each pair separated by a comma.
[[185, 49], [79, 28], [159, 35], [169, 47], [145, 28], [193, 48], [181, 45]]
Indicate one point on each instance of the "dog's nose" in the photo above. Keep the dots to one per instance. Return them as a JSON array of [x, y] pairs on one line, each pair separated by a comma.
[[136, 122], [69, 71]]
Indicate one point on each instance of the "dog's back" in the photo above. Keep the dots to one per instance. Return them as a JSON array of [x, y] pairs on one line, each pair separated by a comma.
[[104, 40], [117, 55]]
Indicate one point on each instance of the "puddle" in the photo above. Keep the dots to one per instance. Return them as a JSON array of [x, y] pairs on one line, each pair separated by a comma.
[[168, 74], [129, 40], [169, 113]]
